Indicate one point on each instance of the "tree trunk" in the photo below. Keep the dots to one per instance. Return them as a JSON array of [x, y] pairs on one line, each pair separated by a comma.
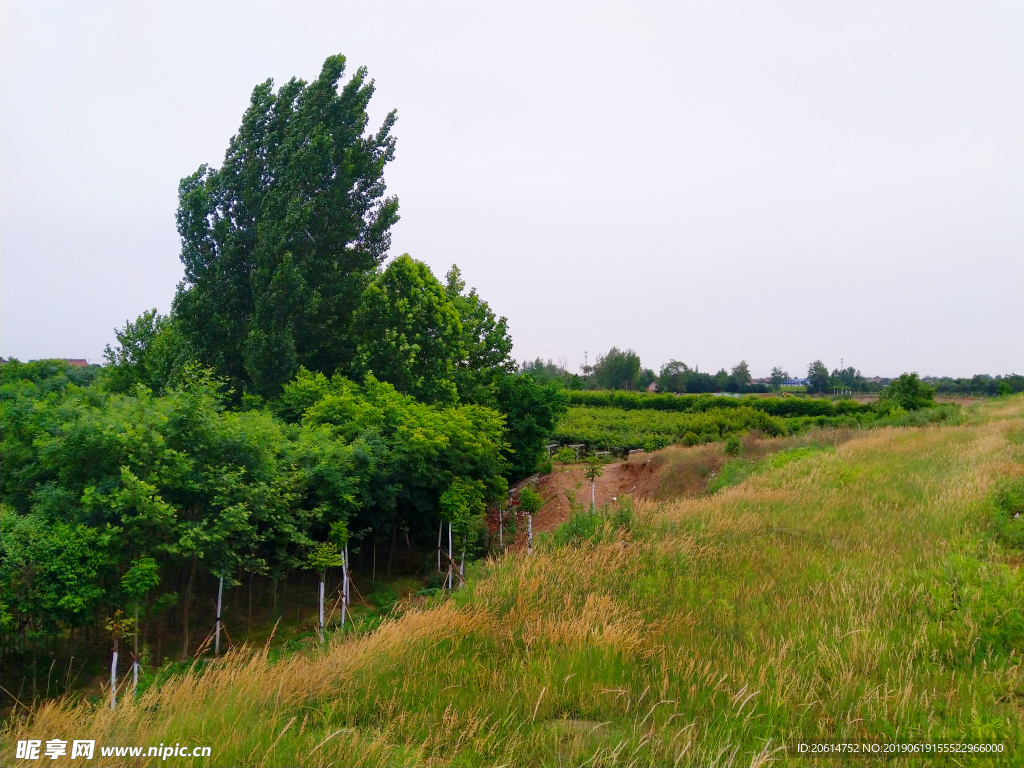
[[248, 624], [391, 552], [149, 615], [188, 598]]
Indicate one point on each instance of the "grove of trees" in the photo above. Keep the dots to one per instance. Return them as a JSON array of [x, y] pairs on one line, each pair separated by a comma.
[[304, 390]]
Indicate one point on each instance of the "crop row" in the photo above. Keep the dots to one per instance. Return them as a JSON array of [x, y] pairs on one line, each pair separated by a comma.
[[775, 406], [616, 429]]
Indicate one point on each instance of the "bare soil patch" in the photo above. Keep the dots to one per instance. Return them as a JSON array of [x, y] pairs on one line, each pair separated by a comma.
[[671, 473]]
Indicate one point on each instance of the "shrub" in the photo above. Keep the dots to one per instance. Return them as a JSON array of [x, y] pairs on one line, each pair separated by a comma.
[[733, 446], [564, 455], [908, 392]]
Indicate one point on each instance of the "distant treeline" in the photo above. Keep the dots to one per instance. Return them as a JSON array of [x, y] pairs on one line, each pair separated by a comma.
[[622, 370], [981, 385]]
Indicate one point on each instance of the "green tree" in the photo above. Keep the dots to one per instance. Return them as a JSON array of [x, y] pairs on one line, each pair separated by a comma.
[[779, 377], [486, 349], [907, 392], [280, 242], [151, 351], [462, 507], [409, 333], [739, 377], [532, 410], [143, 575], [817, 377], [619, 369], [848, 378]]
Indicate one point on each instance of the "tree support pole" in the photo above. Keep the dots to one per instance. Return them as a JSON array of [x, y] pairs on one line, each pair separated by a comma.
[[344, 585], [135, 650], [220, 596], [321, 601], [113, 678], [450, 558]]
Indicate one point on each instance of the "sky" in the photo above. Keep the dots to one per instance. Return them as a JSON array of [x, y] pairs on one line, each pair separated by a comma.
[[704, 182]]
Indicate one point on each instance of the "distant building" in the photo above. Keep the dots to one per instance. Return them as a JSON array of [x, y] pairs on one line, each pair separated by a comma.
[[795, 383], [77, 362], [652, 387]]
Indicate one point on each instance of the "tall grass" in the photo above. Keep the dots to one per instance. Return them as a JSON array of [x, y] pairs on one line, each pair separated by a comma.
[[860, 592]]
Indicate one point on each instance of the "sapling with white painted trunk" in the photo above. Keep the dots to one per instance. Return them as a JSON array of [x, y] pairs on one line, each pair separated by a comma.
[[322, 557], [592, 472], [141, 577], [339, 537], [118, 626], [462, 505], [529, 502]]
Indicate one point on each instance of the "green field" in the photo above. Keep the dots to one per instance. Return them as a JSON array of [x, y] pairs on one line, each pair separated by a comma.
[[870, 592], [609, 428]]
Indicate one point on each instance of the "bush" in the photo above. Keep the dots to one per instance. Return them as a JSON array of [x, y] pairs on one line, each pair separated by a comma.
[[908, 392], [733, 446], [564, 455]]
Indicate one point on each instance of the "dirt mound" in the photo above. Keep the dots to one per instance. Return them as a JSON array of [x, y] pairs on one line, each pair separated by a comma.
[[674, 472], [637, 476]]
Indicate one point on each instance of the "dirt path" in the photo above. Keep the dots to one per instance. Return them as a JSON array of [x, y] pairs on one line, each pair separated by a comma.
[[634, 477]]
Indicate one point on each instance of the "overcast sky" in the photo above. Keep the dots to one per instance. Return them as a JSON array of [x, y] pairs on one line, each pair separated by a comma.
[[707, 182]]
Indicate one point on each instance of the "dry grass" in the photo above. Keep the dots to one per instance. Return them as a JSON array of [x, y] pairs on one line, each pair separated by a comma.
[[854, 593], [685, 471]]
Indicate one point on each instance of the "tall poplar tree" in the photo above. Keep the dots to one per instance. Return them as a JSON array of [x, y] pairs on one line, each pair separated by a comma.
[[280, 242]]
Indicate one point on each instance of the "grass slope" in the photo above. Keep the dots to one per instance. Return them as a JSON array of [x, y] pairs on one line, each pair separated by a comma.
[[849, 593]]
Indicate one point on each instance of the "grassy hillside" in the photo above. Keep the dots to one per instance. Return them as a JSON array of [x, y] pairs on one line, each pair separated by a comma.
[[873, 590]]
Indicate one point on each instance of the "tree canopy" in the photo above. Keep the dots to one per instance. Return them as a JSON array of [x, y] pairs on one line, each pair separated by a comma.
[[280, 242], [409, 333]]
